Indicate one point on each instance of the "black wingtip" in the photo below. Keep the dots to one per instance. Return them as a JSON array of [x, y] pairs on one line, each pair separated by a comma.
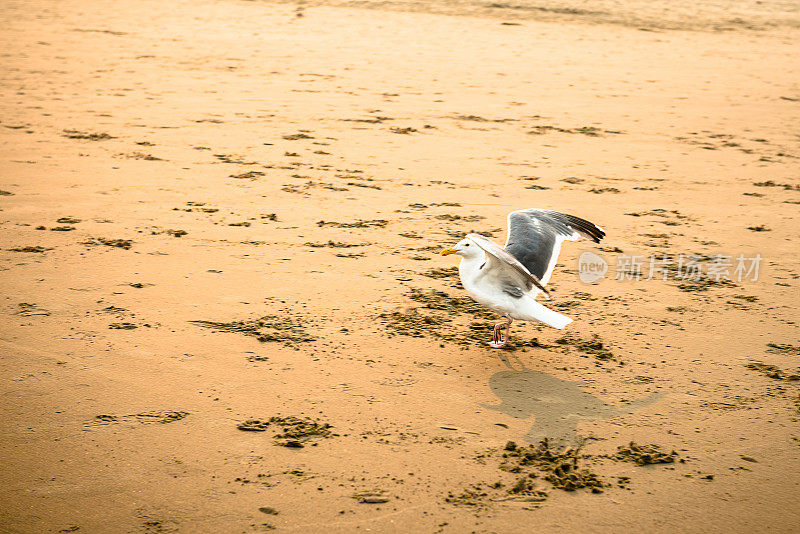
[[582, 226]]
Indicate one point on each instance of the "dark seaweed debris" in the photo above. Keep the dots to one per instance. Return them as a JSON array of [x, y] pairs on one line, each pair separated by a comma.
[[380, 223], [26, 309], [601, 190], [295, 137], [466, 218], [561, 469], [644, 454], [75, 134], [529, 465], [439, 300], [253, 425], [292, 431], [334, 244], [435, 317], [161, 417], [372, 497], [703, 284], [783, 349], [593, 346], [770, 183], [272, 328], [119, 243], [591, 131], [122, 326], [250, 175], [772, 371], [35, 249], [442, 273], [405, 131], [411, 323], [142, 156]]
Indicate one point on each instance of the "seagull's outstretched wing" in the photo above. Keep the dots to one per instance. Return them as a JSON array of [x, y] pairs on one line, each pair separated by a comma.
[[535, 237], [508, 268]]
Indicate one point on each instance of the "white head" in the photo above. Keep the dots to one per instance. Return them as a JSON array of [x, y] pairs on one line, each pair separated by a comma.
[[466, 248]]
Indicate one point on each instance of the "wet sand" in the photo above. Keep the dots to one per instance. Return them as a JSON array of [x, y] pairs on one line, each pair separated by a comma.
[[224, 310]]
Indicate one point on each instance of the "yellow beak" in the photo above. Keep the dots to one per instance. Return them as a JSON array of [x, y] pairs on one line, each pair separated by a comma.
[[447, 252]]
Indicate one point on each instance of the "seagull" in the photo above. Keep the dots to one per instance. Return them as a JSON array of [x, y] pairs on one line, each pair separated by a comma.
[[507, 280]]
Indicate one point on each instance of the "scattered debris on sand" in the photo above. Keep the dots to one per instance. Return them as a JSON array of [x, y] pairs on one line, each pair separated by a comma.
[[561, 469], [776, 348], [447, 318], [34, 249], [143, 418], [372, 497], [591, 131], [644, 454], [439, 300], [272, 328], [772, 371], [335, 244], [26, 309], [405, 131], [410, 323], [253, 425], [119, 243], [91, 136], [564, 470], [442, 273], [379, 223], [176, 233], [249, 175], [593, 346], [703, 284], [142, 156], [123, 326], [528, 465], [465, 218], [293, 431], [295, 137], [770, 183], [234, 159]]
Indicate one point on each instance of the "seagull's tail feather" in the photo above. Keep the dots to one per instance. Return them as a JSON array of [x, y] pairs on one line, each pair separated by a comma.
[[535, 311]]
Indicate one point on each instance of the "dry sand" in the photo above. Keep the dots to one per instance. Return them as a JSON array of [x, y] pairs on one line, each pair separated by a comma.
[[251, 197]]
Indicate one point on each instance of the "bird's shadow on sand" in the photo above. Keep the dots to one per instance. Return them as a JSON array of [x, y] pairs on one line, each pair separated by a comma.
[[557, 405]]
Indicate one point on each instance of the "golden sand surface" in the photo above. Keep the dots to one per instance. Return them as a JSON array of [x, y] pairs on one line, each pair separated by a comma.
[[223, 308]]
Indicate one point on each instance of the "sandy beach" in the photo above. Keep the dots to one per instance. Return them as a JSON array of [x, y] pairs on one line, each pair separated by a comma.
[[224, 309]]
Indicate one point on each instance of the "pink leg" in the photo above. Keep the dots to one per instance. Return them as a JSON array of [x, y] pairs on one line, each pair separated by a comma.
[[497, 338]]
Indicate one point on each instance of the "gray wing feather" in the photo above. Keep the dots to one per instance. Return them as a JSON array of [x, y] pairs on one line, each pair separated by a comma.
[[535, 236]]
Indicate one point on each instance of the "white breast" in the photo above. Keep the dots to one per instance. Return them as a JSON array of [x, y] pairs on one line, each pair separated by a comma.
[[482, 287]]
